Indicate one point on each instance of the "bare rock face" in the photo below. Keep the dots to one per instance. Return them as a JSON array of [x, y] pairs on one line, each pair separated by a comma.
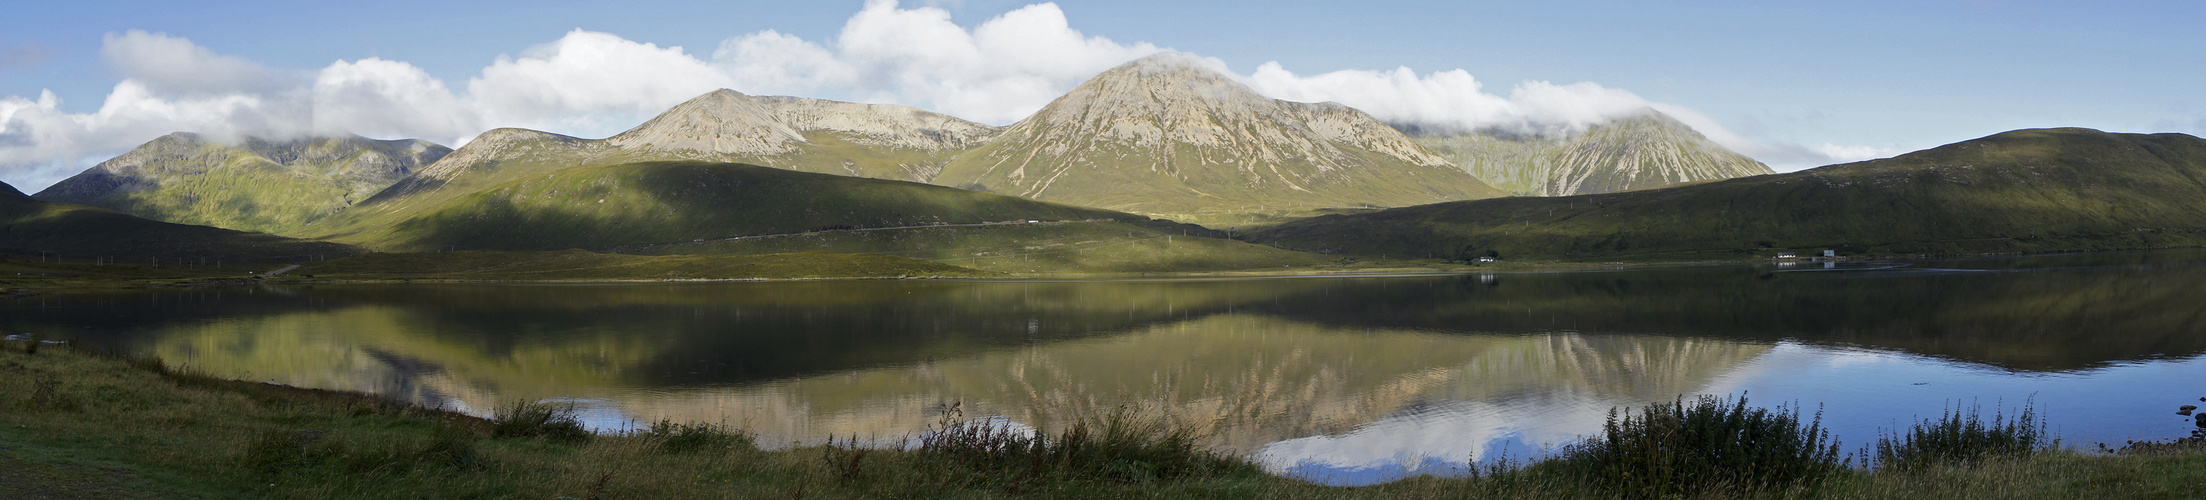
[[1645, 151], [1167, 135], [255, 184]]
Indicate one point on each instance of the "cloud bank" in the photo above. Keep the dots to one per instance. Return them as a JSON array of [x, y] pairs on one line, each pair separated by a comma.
[[594, 84]]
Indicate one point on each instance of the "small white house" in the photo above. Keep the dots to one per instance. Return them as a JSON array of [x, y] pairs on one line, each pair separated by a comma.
[[1830, 253], [1485, 259]]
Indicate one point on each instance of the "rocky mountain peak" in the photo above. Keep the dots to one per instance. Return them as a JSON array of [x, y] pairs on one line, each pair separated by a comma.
[[732, 123], [722, 121]]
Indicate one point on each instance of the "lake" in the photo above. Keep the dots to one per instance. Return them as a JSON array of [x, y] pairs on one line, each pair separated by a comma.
[[1343, 380]]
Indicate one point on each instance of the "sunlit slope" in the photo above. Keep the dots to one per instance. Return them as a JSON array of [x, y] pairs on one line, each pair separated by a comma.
[[670, 202], [1646, 151], [1167, 135], [2026, 190], [80, 233], [252, 185]]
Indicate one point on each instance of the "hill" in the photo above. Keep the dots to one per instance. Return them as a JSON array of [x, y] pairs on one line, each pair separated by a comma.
[[1165, 135], [1645, 151], [662, 202], [80, 233], [270, 186], [863, 140], [2026, 190]]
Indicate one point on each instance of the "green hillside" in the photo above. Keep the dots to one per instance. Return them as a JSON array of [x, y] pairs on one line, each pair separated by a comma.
[[584, 265], [2026, 190], [667, 202], [252, 185], [79, 233]]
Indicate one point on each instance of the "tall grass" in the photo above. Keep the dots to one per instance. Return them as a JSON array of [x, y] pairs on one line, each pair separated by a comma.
[[1709, 444], [523, 419], [1962, 437], [1123, 446]]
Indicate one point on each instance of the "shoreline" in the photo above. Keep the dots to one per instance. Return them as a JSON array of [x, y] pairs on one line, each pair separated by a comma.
[[169, 432], [1438, 268]]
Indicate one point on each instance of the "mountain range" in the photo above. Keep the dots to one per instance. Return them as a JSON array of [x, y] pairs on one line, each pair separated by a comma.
[[1166, 135], [1104, 179]]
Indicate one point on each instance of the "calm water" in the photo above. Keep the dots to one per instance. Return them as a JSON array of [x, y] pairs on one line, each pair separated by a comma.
[[1341, 380]]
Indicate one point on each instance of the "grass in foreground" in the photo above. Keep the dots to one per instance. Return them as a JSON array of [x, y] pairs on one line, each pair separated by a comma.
[[89, 426]]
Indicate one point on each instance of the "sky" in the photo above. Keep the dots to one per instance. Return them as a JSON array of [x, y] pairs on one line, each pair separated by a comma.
[[1793, 84]]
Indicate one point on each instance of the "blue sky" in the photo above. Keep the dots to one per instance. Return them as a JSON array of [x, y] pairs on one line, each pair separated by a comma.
[[1793, 84]]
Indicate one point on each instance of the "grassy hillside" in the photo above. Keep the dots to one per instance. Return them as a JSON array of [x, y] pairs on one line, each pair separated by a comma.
[[255, 185], [79, 233], [2026, 190], [666, 202], [1094, 246], [584, 265]]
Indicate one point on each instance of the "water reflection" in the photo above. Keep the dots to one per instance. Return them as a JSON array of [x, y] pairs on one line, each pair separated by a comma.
[[1349, 380]]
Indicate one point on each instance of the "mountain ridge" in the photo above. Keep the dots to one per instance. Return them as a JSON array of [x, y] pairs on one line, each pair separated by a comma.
[[2028, 190], [1165, 134], [1645, 150], [253, 184]]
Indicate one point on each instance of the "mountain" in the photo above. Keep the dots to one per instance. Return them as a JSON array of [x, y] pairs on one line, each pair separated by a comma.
[[270, 186], [1644, 151], [882, 141], [2025, 190], [724, 126], [1166, 135], [75, 232]]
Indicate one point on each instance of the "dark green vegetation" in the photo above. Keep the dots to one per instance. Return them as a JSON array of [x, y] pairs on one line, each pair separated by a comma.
[[254, 185], [583, 265], [2021, 191], [677, 202], [1641, 152], [715, 208], [1686, 449], [1964, 437], [77, 233], [163, 432]]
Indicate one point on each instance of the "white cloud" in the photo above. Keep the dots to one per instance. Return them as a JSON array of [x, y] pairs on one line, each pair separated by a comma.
[[590, 83], [172, 65], [378, 98], [997, 72]]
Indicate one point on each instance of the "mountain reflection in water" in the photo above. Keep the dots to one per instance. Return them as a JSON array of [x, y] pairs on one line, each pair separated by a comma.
[[1345, 380]]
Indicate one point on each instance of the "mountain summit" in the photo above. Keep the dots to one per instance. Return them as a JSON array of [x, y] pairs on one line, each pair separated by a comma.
[[251, 185], [864, 140], [1647, 150], [1168, 135]]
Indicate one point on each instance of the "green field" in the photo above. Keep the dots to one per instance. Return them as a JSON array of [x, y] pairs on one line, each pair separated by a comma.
[[2021, 191]]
